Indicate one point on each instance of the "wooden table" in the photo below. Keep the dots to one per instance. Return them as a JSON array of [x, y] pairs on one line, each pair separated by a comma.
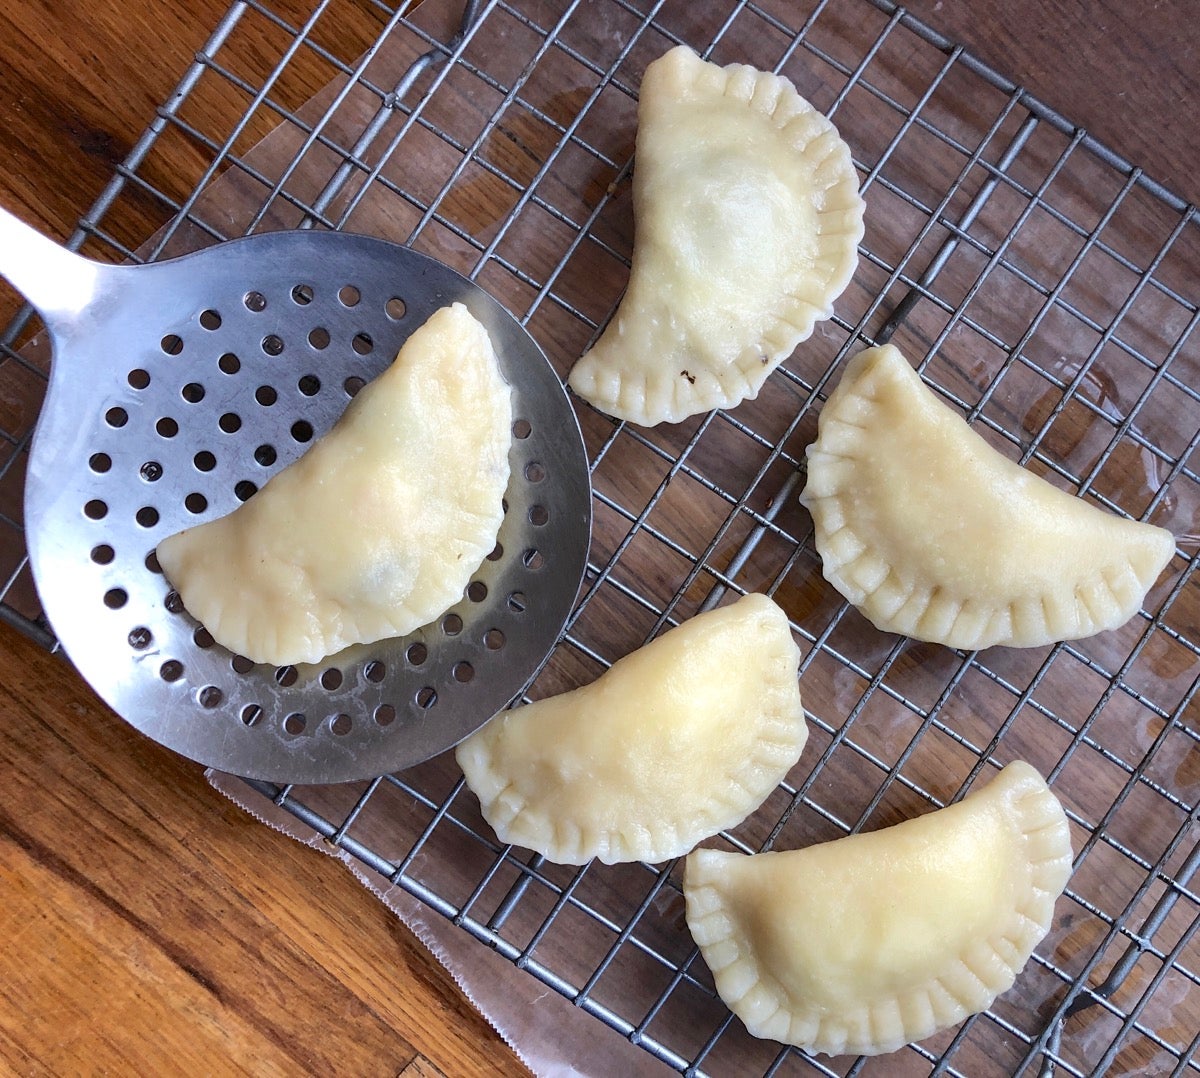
[[146, 923]]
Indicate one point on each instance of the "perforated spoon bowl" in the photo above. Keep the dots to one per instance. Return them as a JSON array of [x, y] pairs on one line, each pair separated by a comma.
[[177, 389]]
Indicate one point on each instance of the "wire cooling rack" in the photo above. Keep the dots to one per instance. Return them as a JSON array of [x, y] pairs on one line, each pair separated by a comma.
[[1044, 286]]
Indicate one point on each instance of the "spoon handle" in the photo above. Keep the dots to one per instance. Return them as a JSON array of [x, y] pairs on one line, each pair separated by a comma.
[[58, 282]]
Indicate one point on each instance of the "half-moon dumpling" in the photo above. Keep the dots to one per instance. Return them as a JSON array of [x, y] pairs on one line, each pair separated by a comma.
[[377, 529], [675, 742], [932, 533], [865, 943], [747, 219]]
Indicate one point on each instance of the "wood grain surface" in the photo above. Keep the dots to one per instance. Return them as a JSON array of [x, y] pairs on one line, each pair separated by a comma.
[[147, 924], [1126, 72]]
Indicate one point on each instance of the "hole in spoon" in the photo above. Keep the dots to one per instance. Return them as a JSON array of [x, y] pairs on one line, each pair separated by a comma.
[[331, 679], [374, 671], [171, 670]]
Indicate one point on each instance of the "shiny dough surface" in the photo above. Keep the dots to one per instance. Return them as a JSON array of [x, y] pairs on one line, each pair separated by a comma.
[[747, 221], [866, 943], [378, 528], [932, 533], [676, 741]]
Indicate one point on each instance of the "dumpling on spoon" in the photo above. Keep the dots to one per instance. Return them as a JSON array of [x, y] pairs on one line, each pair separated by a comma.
[[378, 528], [932, 533], [865, 943], [676, 741], [747, 218]]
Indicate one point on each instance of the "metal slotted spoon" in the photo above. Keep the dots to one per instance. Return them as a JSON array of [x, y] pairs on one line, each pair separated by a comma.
[[177, 389]]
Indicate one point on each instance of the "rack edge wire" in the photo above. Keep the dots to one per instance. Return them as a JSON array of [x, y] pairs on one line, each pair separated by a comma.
[[440, 54]]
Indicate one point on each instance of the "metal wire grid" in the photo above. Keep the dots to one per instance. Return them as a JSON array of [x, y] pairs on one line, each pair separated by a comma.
[[1141, 941]]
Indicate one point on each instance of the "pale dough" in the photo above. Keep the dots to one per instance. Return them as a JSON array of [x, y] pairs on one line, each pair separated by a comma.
[[747, 219], [378, 528], [678, 740], [866, 943], [932, 533]]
